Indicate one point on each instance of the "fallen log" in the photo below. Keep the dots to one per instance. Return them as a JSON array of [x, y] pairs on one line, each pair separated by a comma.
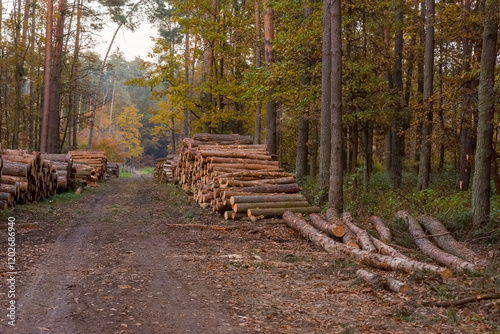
[[386, 249], [275, 188], [447, 242], [218, 137], [330, 229], [13, 168], [259, 174], [427, 247], [242, 161], [373, 259], [243, 207], [267, 198], [273, 212], [349, 237], [378, 281], [362, 236], [262, 182], [383, 231]]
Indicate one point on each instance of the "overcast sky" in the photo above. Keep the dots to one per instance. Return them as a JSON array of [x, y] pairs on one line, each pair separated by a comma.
[[132, 44]]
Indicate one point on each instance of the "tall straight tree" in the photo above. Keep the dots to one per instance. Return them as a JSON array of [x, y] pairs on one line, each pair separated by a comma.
[[398, 122], [325, 130], [484, 152], [467, 139], [303, 129], [271, 139], [424, 168], [258, 63], [44, 140], [335, 195], [55, 83]]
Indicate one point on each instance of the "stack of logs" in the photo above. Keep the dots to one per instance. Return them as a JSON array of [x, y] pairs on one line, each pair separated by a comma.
[[165, 168], [237, 179], [341, 235], [28, 176], [113, 169], [90, 166]]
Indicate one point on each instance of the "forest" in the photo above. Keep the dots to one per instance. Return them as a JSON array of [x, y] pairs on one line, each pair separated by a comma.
[[375, 105]]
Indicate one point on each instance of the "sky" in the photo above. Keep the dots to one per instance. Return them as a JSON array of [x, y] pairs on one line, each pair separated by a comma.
[[132, 44]]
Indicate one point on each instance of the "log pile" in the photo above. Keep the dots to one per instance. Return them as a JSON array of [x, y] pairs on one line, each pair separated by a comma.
[[90, 166], [165, 168], [330, 234], [113, 169], [237, 179], [64, 170], [26, 177]]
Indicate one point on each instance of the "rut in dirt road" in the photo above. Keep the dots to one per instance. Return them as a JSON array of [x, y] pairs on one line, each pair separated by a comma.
[[111, 270]]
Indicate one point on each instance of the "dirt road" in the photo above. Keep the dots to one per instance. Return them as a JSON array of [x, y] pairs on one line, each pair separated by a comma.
[[130, 257]]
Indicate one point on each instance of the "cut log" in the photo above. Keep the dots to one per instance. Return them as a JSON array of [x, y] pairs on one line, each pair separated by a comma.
[[427, 247], [372, 259], [258, 174], [241, 161], [16, 168], [349, 237], [386, 249], [267, 198], [447, 242], [275, 212], [378, 281], [331, 229], [276, 188], [363, 237], [383, 231], [233, 154], [243, 207], [262, 182], [217, 137]]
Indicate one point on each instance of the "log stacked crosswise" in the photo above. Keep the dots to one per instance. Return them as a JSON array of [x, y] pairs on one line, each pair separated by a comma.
[[28, 176], [237, 179], [90, 166], [165, 168]]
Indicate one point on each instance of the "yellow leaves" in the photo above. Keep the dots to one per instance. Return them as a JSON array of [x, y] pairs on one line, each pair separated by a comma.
[[129, 122]]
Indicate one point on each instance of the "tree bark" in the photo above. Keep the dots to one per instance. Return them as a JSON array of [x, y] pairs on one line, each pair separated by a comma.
[[267, 198], [427, 247], [398, 121], [335, 195], [273, 212], [378, 281], [383, 231], [44, 137], [425, 151], [271, 134], [362, 236], [484, 151], [330, 228], [243, 207], [447, 242], [325, 129], [258, 56]]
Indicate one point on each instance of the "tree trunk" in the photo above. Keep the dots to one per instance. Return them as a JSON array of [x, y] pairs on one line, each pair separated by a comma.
[[273, 212], [397, 128], [258, 48], [362, 236], [45, 125], [243, 207], [428, 248], [55, 84], [447, 242], [325, 129], [267, 198], [482, 165], [271, 134], [424, 168], [186, 81], [335, 195], [467, 140], [383, 231], [420, 85], [378, 281], [330, 228]]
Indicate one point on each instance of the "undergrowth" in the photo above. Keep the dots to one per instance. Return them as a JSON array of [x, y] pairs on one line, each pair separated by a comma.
[[442, 200]]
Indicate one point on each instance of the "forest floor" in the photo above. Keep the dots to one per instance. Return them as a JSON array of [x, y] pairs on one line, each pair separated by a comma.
[[132, 256]]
